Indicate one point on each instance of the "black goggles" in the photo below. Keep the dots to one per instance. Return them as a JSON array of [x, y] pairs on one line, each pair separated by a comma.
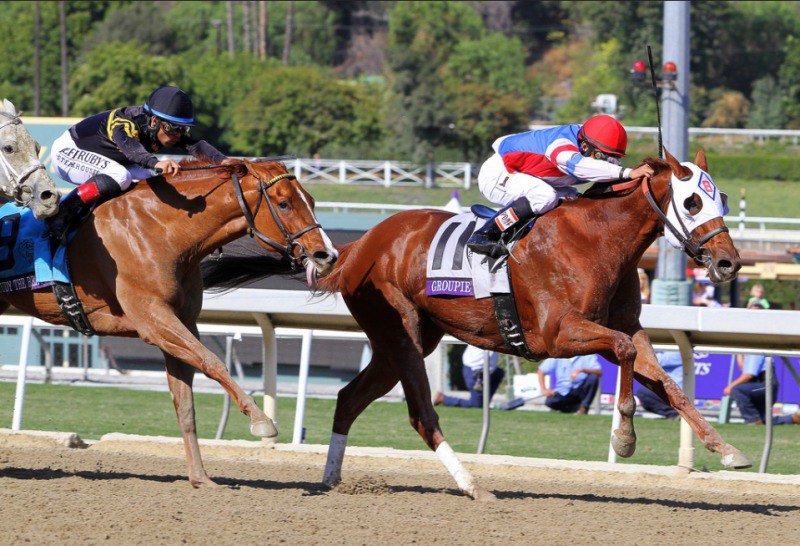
[[594, 153], [174, 128]]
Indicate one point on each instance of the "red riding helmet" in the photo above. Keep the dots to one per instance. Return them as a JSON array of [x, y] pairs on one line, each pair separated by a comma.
[[606, 134]]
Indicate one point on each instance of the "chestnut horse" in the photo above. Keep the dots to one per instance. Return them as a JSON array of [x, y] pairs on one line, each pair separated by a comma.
[[577, 292], [23, 178], [135, 265]]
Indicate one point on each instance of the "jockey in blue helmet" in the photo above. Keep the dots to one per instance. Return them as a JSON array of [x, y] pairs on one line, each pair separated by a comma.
[[105, 153]]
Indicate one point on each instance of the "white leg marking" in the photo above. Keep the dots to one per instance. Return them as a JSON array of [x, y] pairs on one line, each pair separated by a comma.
[[463, 478], [333, 466]]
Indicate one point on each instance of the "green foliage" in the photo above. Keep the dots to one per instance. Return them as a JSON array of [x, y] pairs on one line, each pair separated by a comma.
[[754, 167], [120, 75], [767, 109], [17, 49], [217, 85], [600, 73], [494, 61], [300, 110], [479, 115], [142, 22], [729, 109], [422, 35]]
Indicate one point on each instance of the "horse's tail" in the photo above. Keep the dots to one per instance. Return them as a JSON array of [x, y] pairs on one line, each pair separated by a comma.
[[227, 272], [330, 284]]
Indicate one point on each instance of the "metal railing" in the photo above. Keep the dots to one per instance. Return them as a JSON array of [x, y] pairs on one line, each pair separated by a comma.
[[383, 173]]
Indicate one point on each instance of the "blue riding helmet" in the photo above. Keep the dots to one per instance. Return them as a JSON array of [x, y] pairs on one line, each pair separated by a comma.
[[171, 104]]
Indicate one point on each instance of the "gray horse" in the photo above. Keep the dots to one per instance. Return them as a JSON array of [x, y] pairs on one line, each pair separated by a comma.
[[23, 178]]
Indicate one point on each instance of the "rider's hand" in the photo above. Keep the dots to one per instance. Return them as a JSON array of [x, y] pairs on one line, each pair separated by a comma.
[[548, 392], [168, 167], [645, 171]]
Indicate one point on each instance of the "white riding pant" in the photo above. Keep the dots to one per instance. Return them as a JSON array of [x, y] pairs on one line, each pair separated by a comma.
[[76, 166], [503, 188]]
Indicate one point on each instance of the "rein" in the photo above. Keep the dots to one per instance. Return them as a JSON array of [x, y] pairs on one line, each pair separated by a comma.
[[16, 178], [694, 249]]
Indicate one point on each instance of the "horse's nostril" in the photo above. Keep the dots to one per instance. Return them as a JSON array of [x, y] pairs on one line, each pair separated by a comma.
[[321, 256], [724, 265], [47, 195]]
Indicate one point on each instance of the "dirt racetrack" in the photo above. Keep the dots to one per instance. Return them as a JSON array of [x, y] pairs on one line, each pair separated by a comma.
[[96, 495]]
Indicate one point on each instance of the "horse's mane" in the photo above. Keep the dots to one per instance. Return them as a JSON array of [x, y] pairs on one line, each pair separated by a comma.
[[198, 162]]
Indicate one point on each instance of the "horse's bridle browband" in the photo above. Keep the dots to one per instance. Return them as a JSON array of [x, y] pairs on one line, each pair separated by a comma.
[[16, 178], [291, 240], [694, 249]]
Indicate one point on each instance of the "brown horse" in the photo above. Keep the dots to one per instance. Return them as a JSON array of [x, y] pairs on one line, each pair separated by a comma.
[[135, 265], [577, 293]]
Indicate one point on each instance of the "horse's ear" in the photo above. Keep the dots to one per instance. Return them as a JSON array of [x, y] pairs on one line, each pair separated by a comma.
[[700, 159], [9, 107], [680, 172], [237, 167]]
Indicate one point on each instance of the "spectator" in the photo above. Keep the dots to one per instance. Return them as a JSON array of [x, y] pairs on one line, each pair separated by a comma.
[[706, 297], [673, 365], [757, 296], [749, 389], [644, 285], [577, 380], [472, 370]]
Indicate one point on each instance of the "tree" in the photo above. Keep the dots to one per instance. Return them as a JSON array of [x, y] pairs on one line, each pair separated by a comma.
[[767, 110], [494, 61], [729, 109], [422, 36], [479, 115], [143, 21], [136, 75], [602, 72], [301, 110]]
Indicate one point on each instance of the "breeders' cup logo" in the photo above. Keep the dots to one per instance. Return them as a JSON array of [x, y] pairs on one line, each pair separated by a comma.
[[707, 185]]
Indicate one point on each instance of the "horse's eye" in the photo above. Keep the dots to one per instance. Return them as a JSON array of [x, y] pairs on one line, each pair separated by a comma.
[[8, 149], [284, 205]]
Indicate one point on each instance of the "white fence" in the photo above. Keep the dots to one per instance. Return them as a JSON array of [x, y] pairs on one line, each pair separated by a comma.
[[383, 173]]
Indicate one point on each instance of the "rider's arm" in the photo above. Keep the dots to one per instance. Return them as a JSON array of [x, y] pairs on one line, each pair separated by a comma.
[[589, 169], [125, 138], [202, 149]]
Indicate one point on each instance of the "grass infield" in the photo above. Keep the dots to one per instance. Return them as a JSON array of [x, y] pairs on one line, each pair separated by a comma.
[[94, 411]]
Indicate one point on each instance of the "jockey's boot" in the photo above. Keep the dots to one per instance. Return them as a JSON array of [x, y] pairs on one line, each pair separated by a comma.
[[486, 240], [97, 189]]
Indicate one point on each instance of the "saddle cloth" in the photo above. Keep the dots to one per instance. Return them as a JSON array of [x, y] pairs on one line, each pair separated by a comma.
[[453, 270], [27, 261]]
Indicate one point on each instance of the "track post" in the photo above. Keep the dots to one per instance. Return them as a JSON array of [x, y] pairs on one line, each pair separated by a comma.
[[686, 452]]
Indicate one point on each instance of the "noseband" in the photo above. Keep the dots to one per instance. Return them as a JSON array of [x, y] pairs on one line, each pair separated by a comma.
[[694, 249], [291, 239], [16, 178]]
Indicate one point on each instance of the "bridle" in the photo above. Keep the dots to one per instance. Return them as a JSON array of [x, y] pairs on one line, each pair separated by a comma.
[[695, 249], [16, 178], [291, 239]]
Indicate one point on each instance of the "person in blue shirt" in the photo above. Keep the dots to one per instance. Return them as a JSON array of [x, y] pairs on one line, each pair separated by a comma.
[[749, 390], [576, 382], [673, 364]]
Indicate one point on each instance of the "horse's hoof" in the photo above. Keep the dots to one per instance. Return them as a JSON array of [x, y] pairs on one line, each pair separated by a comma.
[[482, 495], [623, 447], [264, 429], [205, 482], [736, 460]]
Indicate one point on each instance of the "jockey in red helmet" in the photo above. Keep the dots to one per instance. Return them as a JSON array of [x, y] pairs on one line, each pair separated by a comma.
[[529, 172]]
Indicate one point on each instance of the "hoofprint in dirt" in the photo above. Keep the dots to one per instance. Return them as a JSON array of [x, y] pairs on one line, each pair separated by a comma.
[[91, 496]]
